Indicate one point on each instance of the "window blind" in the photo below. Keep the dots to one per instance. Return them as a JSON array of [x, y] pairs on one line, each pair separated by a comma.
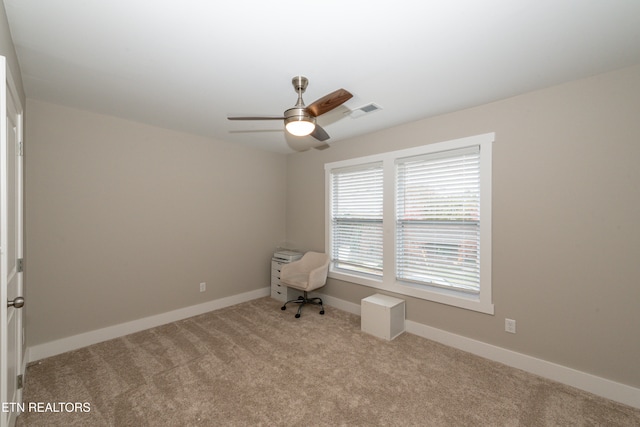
[[356, 215], [438, 219]]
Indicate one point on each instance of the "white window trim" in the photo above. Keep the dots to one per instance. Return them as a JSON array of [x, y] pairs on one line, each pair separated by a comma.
[[483, 301]]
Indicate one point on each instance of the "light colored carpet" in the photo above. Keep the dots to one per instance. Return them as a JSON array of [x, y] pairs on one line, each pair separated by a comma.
[[253, 364]]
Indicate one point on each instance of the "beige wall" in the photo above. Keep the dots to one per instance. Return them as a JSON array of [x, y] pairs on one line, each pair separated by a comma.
[[125, 220], [566, 201]]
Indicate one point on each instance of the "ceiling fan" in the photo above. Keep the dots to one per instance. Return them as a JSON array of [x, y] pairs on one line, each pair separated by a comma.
[[301, 120]]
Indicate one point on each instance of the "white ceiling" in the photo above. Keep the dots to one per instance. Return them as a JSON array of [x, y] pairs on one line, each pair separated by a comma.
[[187, 64]]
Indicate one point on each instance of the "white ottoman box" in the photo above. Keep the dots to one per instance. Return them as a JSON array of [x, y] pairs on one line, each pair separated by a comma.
[[382, 316]]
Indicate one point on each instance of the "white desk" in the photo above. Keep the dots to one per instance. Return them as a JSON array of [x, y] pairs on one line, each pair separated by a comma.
[[278, 290]]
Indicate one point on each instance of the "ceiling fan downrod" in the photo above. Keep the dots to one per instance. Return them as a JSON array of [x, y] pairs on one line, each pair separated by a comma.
[[300, 85]]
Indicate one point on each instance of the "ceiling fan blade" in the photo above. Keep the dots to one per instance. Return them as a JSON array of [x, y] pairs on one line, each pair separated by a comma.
[[329, 102], [320, 134], [321, 146], [255, 118]]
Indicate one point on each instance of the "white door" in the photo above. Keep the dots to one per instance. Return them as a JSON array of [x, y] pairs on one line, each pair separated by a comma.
[[11, 332]]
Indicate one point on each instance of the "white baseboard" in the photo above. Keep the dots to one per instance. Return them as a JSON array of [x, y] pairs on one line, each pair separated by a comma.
[[63, 345], [597, 385], [340, 304], [584, 381]]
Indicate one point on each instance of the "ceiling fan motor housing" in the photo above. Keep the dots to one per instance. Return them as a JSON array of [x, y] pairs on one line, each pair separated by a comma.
[[297, 114]]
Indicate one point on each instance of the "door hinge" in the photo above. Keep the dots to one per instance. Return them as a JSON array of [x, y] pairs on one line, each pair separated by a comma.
[[20, 148], [19, 382], [20, 265]]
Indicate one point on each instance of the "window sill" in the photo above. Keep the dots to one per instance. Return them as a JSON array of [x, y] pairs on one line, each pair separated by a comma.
[[439, 295]]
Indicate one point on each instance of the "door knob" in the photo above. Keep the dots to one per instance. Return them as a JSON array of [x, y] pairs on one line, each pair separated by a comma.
[[17, 303]]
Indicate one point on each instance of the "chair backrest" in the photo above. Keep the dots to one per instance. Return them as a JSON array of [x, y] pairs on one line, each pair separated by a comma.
[[315, 259], [317, 264]]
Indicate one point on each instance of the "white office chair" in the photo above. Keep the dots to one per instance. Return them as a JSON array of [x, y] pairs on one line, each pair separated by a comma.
[[306, 274]]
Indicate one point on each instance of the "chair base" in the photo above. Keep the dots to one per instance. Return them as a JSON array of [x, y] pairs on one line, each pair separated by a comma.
[[303, 300]]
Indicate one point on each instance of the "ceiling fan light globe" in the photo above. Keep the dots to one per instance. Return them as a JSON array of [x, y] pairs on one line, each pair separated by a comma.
[[300, 127]]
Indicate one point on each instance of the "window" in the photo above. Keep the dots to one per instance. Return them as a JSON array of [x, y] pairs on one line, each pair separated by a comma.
[[438, 219], [356, 215], [415, 222]]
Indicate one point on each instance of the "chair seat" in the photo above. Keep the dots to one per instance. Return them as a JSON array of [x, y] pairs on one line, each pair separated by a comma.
[[298, 281]]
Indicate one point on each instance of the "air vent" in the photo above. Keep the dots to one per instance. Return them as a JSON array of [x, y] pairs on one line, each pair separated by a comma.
[[365, 109]]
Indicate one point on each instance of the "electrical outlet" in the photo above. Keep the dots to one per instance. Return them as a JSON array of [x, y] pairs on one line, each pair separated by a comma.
[[510, 325], [203, 287]]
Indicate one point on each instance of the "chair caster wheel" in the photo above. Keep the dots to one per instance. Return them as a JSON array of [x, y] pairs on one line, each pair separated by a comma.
[[297, 315], [321, 311], [284, 307]]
